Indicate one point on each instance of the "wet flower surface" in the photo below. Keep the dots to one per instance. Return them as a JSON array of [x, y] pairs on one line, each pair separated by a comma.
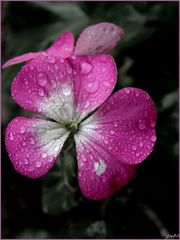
[[65, 85]]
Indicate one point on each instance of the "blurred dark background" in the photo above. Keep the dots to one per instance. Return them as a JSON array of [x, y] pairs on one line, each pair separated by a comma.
[[146, 58]]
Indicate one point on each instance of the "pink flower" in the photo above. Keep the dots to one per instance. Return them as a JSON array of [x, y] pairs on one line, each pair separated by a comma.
[[109, 143], [95, 39]]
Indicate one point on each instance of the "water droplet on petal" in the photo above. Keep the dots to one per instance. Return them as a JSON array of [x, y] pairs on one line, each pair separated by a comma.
[[23, 143], [112, 132], [153, 124], [115, 123], [11, 137], [137, 154], [141, 144], [30, 169], [26, 162], [153, 138], [142, 125], [91, 87], [50, 59], [25, 82], [87, 104], [44, 155], [41, 92], [38, 164], [22, 130], [50, 159], [85, 67], [127, 90], [66, 90], [42, 79], [134, 147]]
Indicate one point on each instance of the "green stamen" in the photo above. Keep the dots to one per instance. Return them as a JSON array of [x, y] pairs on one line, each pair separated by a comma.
[[71, 126]]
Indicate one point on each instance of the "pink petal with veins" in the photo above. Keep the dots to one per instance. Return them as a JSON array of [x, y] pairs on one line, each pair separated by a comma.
[[99, 38], [23, 58], [33, 145], [44, 85], [125, 125], [100, 174], [63, 46], [94, 79]]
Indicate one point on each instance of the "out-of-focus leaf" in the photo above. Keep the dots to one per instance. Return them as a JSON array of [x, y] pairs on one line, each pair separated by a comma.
[[59, 189], [31, 233], [169, 100], [97, 229], [67, 11], [125, 78]]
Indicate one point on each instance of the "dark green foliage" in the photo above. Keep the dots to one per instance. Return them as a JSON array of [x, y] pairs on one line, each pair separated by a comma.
[[147, 58]]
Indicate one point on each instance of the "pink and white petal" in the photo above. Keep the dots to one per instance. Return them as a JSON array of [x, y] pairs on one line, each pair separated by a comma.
[[33, 145], [125, 125], [99, 38], [94, 79], [99, 173], [23, 58], [63, 46], [45, 86]]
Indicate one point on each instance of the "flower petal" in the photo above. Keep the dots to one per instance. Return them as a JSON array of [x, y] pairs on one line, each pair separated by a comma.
[[94, 79], [124, 125], [99, 173], [99, 38], [23, 58], [63, 46], [33, 145], [45, 86]]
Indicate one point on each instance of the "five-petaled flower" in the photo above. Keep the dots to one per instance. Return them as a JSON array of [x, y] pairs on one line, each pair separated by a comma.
[[65, 84]]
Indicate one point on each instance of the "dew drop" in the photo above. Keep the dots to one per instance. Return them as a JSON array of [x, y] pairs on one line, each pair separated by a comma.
[[115, 123], [134, 147], [142, 125], [22, 130], [137, 154], [26, 162], [11, 137], [38, 164], [31, 67], [92, 87], [87, 104], [44, 155], [153, 124], [127, 90], [41, 92], [50, 159], [85, 67], [30, 169], [56, 148], [56, 66], [141, 144], [112, 132], [25, 82], [23, 143], [42, 79], [153, 138], [66, 90], [50, 59]]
